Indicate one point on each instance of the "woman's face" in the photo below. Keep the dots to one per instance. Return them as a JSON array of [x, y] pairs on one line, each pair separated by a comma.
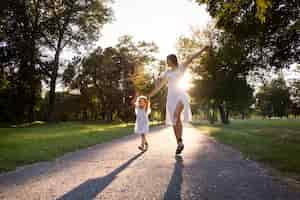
[[170, 63]]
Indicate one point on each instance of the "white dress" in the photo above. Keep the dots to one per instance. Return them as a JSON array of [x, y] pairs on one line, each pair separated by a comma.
[[176, 95], [142, 121]]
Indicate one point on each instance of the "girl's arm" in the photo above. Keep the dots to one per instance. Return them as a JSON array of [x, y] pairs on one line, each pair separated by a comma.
[[197, 54], [157, 87], [148, 107], [133, 101]]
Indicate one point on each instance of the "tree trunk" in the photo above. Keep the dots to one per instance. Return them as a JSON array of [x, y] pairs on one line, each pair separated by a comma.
[[52, 98], [53, 80], [109, 116], [211, 115], [224, 115], [53, 88], [32, 103], [20, 99], [34, 80], [243, 115]]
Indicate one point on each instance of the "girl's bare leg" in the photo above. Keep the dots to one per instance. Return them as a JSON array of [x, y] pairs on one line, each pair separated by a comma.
[[141, 147], [143, 140], [145, 143]]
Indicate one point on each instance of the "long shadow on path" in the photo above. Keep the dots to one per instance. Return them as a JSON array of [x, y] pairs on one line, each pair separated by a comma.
[[174, 188], [92, 187]]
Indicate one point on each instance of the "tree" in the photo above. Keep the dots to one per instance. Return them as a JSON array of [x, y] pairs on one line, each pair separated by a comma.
[[220, 76], [273, 99], [295, 97], [231, 9], [30, 28], [19, 54], [158, 102], [68, 23], [109, 78]]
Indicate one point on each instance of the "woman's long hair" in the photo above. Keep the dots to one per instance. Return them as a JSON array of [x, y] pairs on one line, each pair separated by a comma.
[[173, 59]]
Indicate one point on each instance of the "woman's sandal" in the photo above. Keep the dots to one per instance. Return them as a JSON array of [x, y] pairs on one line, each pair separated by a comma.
[[179, 149]]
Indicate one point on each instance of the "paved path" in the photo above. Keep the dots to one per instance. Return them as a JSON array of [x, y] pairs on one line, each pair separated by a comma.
[[116, 170]]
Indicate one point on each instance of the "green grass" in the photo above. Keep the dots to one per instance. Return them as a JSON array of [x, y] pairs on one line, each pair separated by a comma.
[[273, 142], [41, 142]]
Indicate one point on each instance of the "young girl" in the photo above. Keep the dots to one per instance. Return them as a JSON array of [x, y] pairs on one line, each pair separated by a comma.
[[142, 110]]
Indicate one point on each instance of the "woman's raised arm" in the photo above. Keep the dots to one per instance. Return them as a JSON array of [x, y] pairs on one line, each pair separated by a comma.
[[157, 87], [191, 58]]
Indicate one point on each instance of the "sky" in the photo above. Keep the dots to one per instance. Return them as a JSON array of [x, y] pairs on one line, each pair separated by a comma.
[[160, 21]]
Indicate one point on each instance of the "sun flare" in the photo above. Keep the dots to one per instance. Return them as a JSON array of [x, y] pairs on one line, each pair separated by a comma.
[[185, 82]]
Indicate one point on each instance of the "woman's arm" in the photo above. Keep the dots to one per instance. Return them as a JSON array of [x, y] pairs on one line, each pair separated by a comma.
[[191, 58], [133, 101], [157, 87]]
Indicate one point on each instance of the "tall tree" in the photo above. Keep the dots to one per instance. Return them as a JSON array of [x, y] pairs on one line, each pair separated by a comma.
[[69, 24], [295, 94], [221, 75], [273, 99], [19, 37]]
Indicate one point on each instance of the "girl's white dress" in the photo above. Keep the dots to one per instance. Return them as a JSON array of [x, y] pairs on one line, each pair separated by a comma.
[[176, 95], [142, 121]]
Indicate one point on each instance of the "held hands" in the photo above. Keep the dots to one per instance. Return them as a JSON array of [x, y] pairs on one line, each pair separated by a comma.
[[134, 98], [206, 48], [137, 94]]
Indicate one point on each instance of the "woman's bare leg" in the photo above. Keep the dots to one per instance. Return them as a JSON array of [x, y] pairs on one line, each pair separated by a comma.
[[145, 143], [178, 123], [175, 132]]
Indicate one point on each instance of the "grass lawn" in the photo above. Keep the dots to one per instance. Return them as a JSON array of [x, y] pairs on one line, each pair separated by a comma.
[[273, 142], [41, 142]]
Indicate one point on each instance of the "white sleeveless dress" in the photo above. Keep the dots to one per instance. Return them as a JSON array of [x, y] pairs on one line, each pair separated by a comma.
[[142, 121], [176, 95]]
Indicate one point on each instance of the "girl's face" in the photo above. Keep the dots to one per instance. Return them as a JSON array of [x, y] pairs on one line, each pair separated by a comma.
[[142, 103]]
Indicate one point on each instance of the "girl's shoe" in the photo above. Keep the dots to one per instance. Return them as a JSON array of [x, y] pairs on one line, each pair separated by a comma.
[[179, 149], [141, 148], [146, 146]]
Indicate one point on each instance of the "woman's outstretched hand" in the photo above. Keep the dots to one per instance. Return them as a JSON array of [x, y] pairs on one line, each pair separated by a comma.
[[196, 55]]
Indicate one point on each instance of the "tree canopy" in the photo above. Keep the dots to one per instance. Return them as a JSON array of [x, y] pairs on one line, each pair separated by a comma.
[[270, 29], [34, 34], [273, 99], [109, 78]]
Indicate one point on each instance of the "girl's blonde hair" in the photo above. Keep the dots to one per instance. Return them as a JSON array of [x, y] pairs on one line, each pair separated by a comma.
[[147, 107]]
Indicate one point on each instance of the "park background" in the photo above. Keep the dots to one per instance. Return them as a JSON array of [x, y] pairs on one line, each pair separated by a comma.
[[70, 69]]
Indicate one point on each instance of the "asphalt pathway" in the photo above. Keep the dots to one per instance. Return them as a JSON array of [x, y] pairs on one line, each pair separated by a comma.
[[117, 170]]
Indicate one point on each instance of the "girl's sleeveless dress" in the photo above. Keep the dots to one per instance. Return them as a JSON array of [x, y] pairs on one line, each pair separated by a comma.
[[142, 121], [176, 95]]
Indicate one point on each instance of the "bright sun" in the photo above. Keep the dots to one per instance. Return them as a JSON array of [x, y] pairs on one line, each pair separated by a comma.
[[186, 81]]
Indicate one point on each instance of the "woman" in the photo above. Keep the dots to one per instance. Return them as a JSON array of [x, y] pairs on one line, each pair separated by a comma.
[[177, 99]]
